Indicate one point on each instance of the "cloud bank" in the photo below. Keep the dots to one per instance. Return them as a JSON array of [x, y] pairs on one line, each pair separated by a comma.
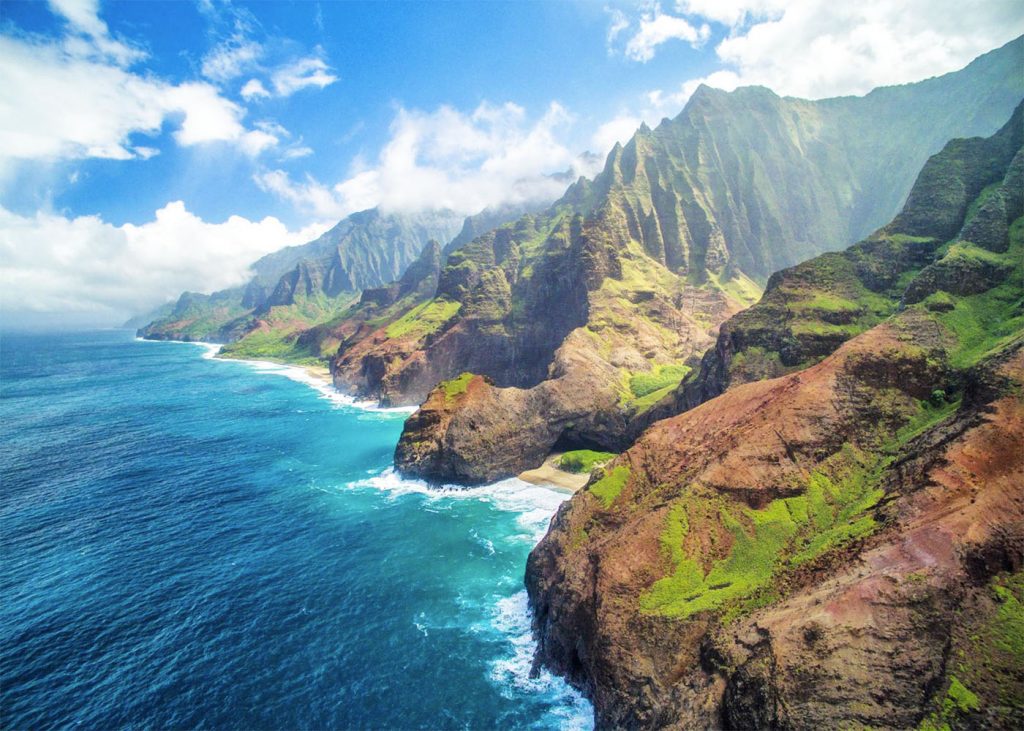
[[810, 48], [447, 159], [83, 265]]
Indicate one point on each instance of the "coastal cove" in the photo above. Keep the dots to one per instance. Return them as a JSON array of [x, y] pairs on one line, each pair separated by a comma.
[[191, 543]]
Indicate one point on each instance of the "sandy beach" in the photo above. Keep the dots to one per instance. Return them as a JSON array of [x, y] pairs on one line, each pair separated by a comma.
[[550, 474], [320, 373]]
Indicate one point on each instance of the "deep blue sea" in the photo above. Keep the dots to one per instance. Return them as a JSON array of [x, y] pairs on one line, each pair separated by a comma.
[[196, 543]]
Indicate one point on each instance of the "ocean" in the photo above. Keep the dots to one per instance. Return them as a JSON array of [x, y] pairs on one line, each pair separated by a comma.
[[190, 542]]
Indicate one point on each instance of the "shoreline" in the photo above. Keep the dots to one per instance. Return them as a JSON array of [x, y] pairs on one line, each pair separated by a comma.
[[550, 474]]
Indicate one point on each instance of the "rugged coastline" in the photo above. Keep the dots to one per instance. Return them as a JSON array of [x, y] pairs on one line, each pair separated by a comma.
[[809, 503], [838, 543]]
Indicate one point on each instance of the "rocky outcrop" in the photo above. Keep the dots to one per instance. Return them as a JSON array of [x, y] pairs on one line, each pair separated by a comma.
[[709, 591], [798, 550]]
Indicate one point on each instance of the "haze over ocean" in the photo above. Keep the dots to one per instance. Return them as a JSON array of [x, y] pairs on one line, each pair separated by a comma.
[[195, 543]]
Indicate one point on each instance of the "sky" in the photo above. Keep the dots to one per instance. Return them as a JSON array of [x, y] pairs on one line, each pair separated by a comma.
[[148, 148]]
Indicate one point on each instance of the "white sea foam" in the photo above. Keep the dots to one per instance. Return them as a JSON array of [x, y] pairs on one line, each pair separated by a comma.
[[326, 390], [509, 617], [299, 374], [534, 504], [511, 672]]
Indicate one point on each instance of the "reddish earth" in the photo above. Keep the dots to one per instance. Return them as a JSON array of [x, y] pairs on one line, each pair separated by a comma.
[[861, 636]]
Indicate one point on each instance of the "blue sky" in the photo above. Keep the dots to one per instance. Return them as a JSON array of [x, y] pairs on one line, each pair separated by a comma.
[[384, 58], [150, 147]]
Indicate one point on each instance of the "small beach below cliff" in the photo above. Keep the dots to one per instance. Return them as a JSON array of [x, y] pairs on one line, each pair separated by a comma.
[[550, 474]]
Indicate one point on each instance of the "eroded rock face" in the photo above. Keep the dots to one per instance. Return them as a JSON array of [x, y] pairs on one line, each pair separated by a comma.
[[809, 310], [797, 551], [860, 634], [650, 257]]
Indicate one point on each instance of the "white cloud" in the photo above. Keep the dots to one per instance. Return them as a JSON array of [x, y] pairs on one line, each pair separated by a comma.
[[231, 58], [84, 21], [618, 129], [819, 48], [657, 28], [731, 12], [82, 14], [50, 263], [294, 153], [816, 49], [308, 195], [254, 89], [70, 99], [619, 23], [446, 159], [300, 74]]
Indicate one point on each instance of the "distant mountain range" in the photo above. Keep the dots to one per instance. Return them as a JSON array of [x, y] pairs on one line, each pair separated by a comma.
[[364, 250]]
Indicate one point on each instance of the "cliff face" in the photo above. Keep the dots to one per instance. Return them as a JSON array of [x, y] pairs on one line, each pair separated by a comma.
[[840, 545], [584, 317], [807, 311]]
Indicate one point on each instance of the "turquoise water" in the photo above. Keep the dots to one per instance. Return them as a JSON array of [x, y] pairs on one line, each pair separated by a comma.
[[196, 543]]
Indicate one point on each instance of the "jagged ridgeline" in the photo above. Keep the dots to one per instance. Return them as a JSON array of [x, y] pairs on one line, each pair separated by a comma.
[[839, 545], [366, 249], [597, 308]]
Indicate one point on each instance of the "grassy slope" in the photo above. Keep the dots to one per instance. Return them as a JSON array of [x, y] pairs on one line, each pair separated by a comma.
[[812, 309], [836, 501], [276, 336]]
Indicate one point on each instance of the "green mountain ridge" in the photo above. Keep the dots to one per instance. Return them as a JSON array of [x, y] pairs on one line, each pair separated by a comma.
[[363, 250], [833, 539], [633, 272], [810, 310]]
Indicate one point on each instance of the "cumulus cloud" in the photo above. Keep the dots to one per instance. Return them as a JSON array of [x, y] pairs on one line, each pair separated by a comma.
[[254, 89], [77, 97], [817, 48], [446, 159], [301, 74], [655, 29], [51, 263]]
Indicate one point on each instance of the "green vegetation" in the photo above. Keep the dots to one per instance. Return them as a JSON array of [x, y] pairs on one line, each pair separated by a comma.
[[758, 540], [270, 345], [645, 389], [959, 701], [202, 319], [642, 384], [929, 413], [1008, 626], [786, 533], [739, 287], [985, 322], [978, 202], [584, 460], [276, 337], [608, 487], [826, 302], [456, 386], [816, 327], [424, 319], [985, 666]]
